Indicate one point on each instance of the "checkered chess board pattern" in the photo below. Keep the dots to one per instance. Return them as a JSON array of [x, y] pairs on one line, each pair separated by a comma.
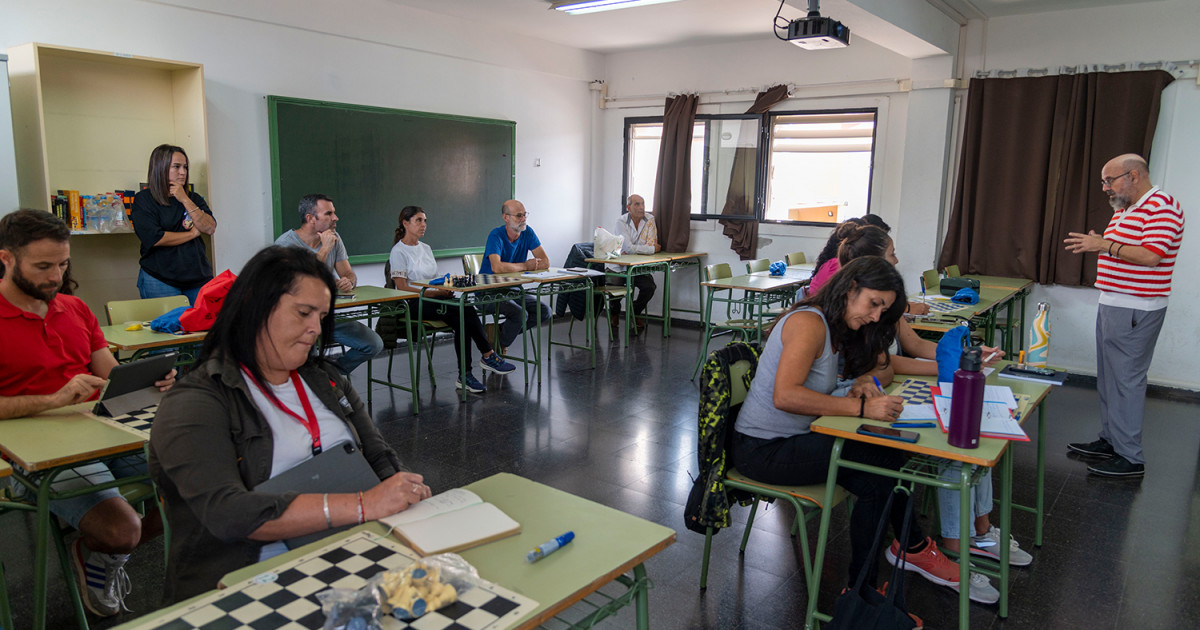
[[286, 597], [137, 422], [914, 392], [938, 306]]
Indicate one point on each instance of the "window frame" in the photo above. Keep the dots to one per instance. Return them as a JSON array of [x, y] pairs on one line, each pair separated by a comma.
[[765, 124]]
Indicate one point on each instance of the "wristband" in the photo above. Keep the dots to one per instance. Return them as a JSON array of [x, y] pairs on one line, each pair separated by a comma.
[[1119, 250], [862, 404], [325, 504], [1110, 248], [362, 517]]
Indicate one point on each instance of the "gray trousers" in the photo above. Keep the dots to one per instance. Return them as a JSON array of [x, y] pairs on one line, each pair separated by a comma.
[[1125, 340]]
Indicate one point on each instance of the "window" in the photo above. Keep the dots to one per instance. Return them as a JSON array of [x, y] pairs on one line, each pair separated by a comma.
[[788, 167]]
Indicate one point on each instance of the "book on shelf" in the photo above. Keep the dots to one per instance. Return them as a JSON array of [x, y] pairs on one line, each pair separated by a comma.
[[450, 522]]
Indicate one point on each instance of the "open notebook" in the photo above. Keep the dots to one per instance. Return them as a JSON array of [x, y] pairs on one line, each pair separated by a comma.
[[451, 521]]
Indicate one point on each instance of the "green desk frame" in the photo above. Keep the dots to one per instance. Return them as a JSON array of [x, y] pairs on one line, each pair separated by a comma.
[[923, 470]]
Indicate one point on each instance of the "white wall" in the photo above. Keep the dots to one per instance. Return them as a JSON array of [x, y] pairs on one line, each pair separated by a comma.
[[8, 167], [370, 52], [1148, 32]]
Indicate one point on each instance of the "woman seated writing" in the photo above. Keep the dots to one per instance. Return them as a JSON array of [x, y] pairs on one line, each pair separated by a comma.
[[412, 261], [259, 402], [852, 317]]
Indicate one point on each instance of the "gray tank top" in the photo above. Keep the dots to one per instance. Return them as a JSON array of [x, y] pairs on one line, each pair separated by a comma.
[[759, 418]]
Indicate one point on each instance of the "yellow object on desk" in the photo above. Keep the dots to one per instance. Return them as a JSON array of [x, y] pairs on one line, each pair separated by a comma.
[[134, 326]]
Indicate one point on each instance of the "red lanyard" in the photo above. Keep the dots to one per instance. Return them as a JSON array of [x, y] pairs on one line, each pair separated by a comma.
[[310, 423]]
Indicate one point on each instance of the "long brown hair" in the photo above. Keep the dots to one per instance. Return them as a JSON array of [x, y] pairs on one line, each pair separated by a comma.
[[159, 170]]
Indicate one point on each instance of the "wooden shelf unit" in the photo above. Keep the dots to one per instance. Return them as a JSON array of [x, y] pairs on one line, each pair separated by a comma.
[[86, 120]]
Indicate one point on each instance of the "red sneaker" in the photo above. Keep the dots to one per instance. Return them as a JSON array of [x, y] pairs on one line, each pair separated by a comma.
[[929, 563]]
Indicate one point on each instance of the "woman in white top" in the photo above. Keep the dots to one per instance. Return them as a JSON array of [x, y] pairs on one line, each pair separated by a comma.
[[412, 261]]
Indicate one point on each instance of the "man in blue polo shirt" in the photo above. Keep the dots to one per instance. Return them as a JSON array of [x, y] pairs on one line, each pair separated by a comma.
[[508, 249]]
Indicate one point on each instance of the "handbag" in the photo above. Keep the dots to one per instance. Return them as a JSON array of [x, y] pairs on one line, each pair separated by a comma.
[[203, 313], [864, 608]]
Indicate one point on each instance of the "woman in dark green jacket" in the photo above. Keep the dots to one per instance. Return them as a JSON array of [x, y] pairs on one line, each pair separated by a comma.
[[260, 402]]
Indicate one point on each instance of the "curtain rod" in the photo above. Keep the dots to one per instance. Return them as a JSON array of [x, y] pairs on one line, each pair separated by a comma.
[[816, 90], [1178, 69]]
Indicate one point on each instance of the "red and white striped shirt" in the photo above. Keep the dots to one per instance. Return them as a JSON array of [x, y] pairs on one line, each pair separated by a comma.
[[1154, 222]]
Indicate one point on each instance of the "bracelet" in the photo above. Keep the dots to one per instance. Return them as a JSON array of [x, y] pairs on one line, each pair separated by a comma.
[[862, 404], [1110, 248], [362, 517], [325, 504], [1119, 250]]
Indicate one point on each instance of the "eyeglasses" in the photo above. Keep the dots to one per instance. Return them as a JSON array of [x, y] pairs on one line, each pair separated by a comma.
[[519, 216], [1108, 181]]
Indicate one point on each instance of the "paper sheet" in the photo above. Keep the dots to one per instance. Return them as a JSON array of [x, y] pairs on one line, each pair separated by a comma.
[[923, 412], [997, 419], [993, 393]]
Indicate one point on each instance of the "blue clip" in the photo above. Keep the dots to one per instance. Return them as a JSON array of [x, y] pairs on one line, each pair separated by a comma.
[[777, 268], [965, 296], [440, 281]]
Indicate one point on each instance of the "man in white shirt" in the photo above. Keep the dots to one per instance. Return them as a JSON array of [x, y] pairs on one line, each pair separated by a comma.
[[318, 234], [641, 237]]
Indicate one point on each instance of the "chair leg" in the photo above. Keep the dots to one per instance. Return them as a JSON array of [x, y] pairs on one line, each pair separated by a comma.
[[708, 534], [749, 524], [805, 559], [68, 575], [5, 608]]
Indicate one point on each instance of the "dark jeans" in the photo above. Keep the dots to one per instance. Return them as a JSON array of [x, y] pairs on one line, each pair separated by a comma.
[[804, 459], [471, 324], [645, 290]]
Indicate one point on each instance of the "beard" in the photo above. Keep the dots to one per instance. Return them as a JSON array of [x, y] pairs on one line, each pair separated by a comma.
[[1119, 202], [43, 293]]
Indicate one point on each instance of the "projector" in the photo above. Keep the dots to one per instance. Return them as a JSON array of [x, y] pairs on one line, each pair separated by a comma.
[[816, 33]]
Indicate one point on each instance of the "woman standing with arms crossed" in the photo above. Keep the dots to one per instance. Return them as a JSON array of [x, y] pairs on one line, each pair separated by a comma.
[[168, 221]]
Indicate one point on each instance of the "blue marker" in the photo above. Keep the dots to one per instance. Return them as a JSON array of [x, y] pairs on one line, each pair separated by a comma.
[[914, 425], [878, 385], [549, 547]]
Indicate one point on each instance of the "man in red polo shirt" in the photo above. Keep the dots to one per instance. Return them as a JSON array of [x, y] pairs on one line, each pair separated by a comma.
[[1133, 272], [55, 355]]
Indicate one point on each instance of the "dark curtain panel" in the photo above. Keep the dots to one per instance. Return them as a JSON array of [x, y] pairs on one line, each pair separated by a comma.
[[739, 200], [673, 184], [1029, 172]]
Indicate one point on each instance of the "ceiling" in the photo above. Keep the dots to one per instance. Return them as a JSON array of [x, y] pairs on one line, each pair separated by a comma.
[[688, 21]]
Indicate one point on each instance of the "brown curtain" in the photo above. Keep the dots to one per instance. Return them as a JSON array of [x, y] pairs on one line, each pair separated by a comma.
[[673, 183], [1029, 172], [739, 200]]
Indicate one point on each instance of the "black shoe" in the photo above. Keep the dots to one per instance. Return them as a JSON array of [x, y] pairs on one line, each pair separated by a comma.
[[1099, 448], [1117, 466]]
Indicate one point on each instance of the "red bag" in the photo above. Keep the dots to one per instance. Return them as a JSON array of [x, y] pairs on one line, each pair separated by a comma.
[[201, 316]]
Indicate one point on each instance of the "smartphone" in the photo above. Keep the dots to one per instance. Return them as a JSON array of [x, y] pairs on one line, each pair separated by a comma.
[[888, 433]]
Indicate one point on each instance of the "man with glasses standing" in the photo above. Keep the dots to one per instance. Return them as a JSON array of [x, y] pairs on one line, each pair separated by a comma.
[[1136, 257], [508, 249]]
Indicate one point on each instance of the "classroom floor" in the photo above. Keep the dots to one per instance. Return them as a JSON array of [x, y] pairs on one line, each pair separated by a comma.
[[1116, 553]]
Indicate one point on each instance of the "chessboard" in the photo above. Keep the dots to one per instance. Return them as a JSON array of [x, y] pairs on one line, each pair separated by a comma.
[[286, 597], [916, 392], [939, 306], [136, 422]]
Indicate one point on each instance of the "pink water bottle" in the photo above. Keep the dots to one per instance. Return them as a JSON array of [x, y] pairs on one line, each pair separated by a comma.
[[966, 401]]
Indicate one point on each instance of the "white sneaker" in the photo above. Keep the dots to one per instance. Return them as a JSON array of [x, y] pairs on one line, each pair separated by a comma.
[[103, 582], [982, 590], [988, 546]]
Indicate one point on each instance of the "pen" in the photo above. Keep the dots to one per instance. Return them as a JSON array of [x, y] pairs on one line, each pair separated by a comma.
[[914, 425], [549, 547], [991, 356], [878, 385]]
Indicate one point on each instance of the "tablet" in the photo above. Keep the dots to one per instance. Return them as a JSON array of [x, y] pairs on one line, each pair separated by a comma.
[[136, 375]]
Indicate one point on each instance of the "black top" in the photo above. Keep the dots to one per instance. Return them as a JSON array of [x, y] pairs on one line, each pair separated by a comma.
[[183, 266]]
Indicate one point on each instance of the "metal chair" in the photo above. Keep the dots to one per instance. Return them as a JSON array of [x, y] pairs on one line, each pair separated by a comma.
[[727, 376], [796, 258], [740, 327], [762, 264], [121, 311], [391, 331]]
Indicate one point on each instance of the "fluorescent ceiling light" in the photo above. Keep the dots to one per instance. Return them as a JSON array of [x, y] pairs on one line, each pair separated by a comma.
[[577, 7]]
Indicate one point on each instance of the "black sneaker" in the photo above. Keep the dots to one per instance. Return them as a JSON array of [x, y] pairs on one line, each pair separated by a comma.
[[1117, 466], [1099, 448]]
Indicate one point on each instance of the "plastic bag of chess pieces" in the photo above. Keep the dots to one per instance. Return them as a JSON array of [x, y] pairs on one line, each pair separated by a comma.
[[406, 593]]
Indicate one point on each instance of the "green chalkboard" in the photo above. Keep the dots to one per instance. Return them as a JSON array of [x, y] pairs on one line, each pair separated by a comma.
[[373, 161]]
